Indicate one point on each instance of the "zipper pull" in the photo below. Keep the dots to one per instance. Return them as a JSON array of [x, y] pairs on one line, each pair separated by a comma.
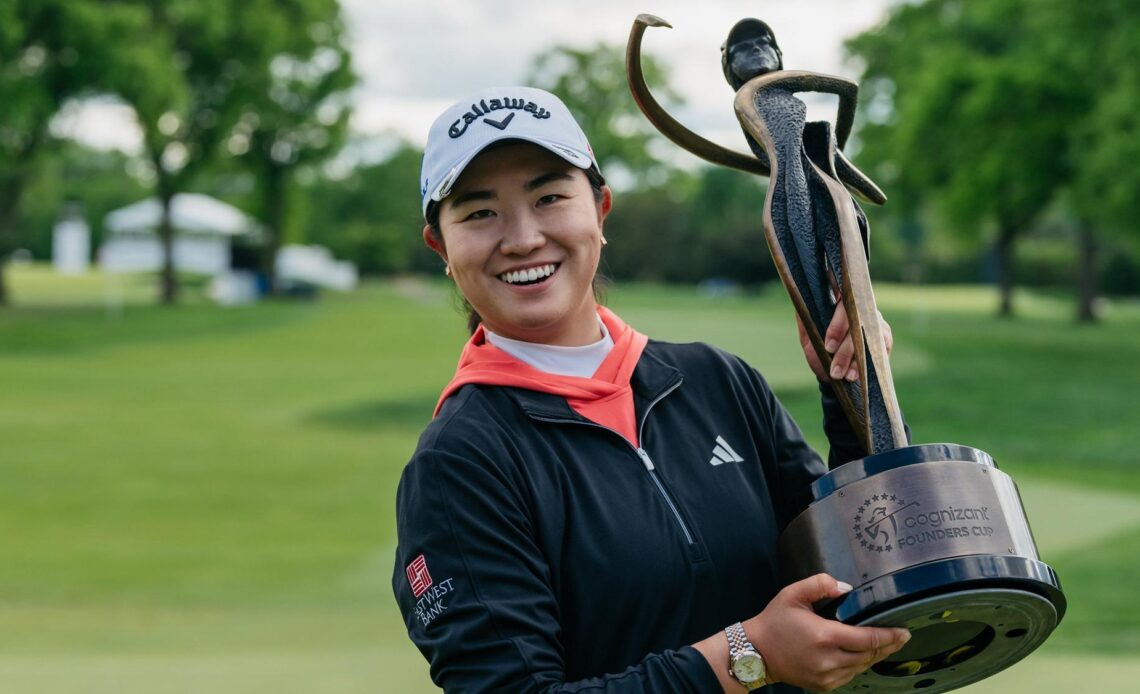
[[645, 459]]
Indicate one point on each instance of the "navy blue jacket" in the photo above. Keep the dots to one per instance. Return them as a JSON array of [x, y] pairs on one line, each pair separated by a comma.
[[540, 552]]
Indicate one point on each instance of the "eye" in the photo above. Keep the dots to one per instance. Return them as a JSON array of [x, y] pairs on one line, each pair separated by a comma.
[[479, 214], [549, 198]]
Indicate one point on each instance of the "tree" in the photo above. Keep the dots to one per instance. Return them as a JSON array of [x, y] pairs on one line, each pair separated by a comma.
[[978, 120], [592, 83], [298, 115], [726, 238], [1093, 49], [372, 215], [68, 172], [50, 51], [212, 58]]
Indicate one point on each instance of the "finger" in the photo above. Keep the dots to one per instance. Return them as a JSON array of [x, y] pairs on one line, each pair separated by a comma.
[[815, 588], [873, 642], [805, 341], [837, 329], [842, 362], [809, 351], [847, 665], [888, 334], [857, 661]]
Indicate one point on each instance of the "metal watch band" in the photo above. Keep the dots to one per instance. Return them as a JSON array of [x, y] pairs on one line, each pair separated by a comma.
[[739, 645], [737, 640]]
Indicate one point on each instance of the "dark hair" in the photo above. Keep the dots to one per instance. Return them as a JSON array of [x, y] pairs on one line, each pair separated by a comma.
[[473, 318]]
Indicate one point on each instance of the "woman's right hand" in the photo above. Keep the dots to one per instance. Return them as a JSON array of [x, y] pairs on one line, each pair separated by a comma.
[[806, 650]]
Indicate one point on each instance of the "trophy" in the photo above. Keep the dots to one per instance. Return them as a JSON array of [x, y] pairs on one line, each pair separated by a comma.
[[933, 536]]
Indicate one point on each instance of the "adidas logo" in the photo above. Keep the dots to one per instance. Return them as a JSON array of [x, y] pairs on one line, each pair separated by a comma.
[[723, 453]]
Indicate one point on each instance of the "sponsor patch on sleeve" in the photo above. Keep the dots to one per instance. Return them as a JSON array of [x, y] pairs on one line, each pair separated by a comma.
[[430, 595], [418, 576]]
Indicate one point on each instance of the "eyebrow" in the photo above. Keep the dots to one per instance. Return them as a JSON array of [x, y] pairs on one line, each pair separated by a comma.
[[536, 183], [529, 186]]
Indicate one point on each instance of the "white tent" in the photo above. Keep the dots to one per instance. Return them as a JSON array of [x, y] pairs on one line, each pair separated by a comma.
[[203, 229], [315, 265]]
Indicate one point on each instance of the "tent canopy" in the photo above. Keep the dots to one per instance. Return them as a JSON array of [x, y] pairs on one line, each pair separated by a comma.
[[189, 212]]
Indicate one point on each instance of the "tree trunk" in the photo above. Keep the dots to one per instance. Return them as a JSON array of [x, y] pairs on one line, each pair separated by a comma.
[[11, 193], [1004, 250], [275, 205], [1086, 274], [166, 235]]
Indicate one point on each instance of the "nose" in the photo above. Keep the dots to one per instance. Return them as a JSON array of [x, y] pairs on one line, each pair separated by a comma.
[[523, 235]]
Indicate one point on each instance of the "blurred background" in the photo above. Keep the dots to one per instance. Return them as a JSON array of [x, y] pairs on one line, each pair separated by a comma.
[[220, 333]]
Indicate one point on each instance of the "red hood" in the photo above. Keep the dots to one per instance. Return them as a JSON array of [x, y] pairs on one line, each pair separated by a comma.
[[605, 398]]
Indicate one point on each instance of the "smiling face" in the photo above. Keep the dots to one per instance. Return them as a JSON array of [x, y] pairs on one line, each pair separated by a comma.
[[522, 234]]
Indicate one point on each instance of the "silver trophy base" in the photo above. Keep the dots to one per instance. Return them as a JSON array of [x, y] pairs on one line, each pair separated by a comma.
[[957, 639], [934, 538]]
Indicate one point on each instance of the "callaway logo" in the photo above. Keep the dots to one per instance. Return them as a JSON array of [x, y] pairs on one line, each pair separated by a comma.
[[484, 107], [723, 453]]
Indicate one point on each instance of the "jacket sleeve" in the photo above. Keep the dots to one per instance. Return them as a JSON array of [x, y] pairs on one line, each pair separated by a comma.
[[797, 464], [845, 443], [476, 593]]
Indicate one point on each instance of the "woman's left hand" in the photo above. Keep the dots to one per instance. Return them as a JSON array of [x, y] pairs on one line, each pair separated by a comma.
[[837, 341]]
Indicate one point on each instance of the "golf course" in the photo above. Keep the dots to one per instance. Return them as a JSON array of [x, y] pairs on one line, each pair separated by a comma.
[[201, 499]]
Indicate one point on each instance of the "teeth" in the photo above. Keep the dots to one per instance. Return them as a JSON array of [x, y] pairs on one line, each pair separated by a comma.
[[530, 275]]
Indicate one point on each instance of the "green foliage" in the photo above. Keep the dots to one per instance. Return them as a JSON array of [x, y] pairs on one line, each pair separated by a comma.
[[69, 172], [1097, 50], [592, 83], [373, 216], [263, 75], [50, 51], [702, 227], [297, 111], [991, 112], [978, 119]]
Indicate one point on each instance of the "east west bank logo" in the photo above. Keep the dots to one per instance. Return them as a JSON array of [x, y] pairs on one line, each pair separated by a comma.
[[483, 108], [886, 522], [429, 593]]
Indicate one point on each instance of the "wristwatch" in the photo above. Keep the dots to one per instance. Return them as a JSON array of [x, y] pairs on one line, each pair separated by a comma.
[[745, 663]]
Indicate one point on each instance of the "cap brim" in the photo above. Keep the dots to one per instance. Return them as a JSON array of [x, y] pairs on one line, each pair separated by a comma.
[[574, 156]]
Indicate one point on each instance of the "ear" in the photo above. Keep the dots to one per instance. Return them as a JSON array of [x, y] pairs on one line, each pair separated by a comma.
[[605, 205], [433, 243]]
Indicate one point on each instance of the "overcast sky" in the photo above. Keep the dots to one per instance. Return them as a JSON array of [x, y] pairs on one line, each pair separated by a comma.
[[415, 57]]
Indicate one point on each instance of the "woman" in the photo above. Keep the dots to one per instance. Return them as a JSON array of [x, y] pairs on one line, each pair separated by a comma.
[[591, 509]]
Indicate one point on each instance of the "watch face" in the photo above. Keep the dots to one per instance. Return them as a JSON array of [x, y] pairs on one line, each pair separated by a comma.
[[748, 667]]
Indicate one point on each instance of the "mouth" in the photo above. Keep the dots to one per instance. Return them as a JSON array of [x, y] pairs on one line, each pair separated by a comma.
[[529, 276]]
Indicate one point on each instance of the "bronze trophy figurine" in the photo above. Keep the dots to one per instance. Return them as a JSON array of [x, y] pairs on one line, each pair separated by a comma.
[[933, 537]]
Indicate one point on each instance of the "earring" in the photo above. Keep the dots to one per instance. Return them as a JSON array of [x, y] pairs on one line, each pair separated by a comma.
[[604, 242], [447, 270]]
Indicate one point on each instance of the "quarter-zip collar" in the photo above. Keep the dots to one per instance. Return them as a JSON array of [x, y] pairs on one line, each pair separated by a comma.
[[606, 398], [651, 380]]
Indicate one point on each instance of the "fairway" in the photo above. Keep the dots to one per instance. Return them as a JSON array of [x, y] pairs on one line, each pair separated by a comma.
[[201, 499]]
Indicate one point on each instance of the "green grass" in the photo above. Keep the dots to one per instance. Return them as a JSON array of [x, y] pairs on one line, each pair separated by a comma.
[[200, 499]]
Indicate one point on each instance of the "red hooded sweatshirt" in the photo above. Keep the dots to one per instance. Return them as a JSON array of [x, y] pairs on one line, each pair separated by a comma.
[[606, 398]]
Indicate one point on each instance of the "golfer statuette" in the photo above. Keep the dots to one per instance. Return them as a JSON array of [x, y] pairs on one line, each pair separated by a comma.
[[933, 537]]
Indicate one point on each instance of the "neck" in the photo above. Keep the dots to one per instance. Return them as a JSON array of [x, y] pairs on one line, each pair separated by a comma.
[[581, 331]]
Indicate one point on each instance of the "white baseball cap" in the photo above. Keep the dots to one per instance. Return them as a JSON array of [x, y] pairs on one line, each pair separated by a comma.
[[500, 113]]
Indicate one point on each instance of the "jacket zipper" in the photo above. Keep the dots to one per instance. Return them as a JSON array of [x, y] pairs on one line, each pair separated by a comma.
[[652, 469], [668, 500], [646, 461]]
